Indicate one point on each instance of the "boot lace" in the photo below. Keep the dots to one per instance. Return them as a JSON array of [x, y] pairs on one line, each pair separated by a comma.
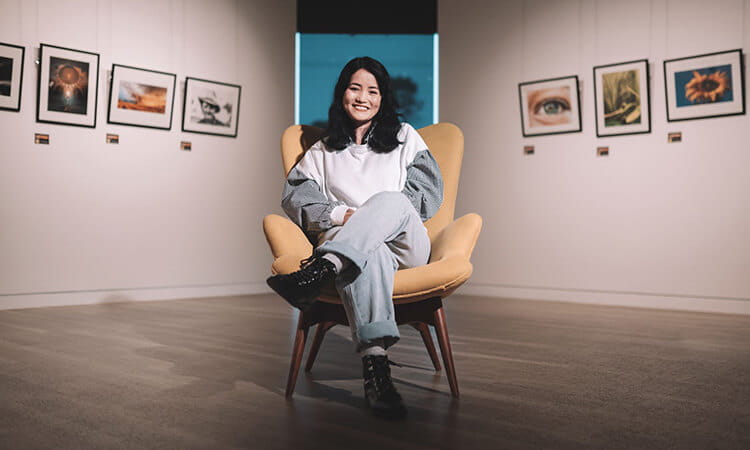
[[310, 269], [380, 372]]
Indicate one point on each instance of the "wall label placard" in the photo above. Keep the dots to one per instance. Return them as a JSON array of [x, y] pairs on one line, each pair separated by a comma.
[[186, 146], [674, 137], [113, 138], [40, 138], [602, 151]]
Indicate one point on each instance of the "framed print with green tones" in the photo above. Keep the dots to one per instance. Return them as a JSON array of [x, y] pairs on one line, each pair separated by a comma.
[[703, 86], [550, 106], [622, 98]]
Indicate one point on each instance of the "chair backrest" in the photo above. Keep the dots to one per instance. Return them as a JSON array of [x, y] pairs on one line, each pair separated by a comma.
[[445, 141]]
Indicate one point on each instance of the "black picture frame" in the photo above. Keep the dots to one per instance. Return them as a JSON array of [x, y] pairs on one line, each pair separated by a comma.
[[715, 87], [67, 74], [620, 106], [223, 100], [11, 76], [540, 101], [150, 97]]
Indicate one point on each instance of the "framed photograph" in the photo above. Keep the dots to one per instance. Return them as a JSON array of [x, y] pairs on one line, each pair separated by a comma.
[[11, 76], [141, 97], [703, 86], [550, 106], [211, 107], [622, 98], [68, 86]]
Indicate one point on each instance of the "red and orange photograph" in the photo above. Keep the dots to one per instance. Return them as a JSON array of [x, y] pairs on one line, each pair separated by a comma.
[[142, 97]]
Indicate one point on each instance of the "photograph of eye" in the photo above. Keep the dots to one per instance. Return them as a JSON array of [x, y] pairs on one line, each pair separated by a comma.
[[549, 106], [701, 86], [622, 98]]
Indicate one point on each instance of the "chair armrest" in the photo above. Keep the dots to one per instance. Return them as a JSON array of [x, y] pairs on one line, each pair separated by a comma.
[[288, 243], [457, 240]]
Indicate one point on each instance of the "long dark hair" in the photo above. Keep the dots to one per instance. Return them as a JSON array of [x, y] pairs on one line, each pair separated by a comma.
[[383, 132]]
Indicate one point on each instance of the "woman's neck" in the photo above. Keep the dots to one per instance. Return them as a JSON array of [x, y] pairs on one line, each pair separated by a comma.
[[360, 131]]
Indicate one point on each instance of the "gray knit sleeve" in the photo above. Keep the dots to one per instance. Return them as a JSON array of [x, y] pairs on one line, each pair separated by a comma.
[[424, 184], [305, 203]]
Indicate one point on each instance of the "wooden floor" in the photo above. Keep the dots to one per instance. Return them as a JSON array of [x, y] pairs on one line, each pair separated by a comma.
[[210, 373]]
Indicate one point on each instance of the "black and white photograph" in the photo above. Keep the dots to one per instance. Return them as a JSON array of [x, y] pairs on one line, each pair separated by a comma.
[[211, 107], [68, 86], [11, 76]]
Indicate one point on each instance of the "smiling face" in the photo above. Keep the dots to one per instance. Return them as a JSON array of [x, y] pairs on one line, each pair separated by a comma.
[[362, 98]]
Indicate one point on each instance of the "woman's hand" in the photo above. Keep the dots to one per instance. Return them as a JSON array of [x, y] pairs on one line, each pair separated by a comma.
[[347, 215]]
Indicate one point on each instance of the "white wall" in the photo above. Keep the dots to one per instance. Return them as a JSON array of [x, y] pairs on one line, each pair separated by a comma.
[[83, 221], [653, 224]]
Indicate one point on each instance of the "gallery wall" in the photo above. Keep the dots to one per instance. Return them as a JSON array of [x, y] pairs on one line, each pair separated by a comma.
[[653, 224], [83, 221]]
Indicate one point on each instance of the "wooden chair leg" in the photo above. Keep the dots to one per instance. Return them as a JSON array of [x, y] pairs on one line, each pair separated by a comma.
[[297, 349], [441, 330], [424, 330], [320, 331]]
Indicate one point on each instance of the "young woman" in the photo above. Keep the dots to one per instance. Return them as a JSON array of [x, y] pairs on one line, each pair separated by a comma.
[[361, 194]]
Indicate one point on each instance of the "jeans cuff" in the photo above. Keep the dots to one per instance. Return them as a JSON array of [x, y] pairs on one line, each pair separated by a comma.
[[384, 329], [355, 256]]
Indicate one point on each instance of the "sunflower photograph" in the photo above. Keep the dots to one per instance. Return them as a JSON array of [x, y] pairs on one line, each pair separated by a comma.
[[705, 86]]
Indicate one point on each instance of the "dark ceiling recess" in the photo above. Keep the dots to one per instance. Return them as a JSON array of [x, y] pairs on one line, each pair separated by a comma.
[[367, 16]]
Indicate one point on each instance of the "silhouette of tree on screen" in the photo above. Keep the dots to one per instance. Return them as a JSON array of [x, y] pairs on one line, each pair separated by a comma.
[[405, 90]]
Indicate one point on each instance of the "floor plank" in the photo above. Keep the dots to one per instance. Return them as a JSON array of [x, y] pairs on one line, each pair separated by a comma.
[[210, 373]]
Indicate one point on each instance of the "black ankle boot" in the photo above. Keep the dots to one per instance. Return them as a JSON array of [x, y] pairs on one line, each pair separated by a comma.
[[302, 288], [380, 393]]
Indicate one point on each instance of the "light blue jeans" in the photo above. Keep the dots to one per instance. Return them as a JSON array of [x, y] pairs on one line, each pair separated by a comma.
[[385, 234]]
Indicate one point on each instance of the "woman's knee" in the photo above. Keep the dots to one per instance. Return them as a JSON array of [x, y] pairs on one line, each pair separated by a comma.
[[389, 198]]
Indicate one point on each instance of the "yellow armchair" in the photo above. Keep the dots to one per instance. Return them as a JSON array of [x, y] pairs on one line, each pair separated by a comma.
[[418, 292]]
